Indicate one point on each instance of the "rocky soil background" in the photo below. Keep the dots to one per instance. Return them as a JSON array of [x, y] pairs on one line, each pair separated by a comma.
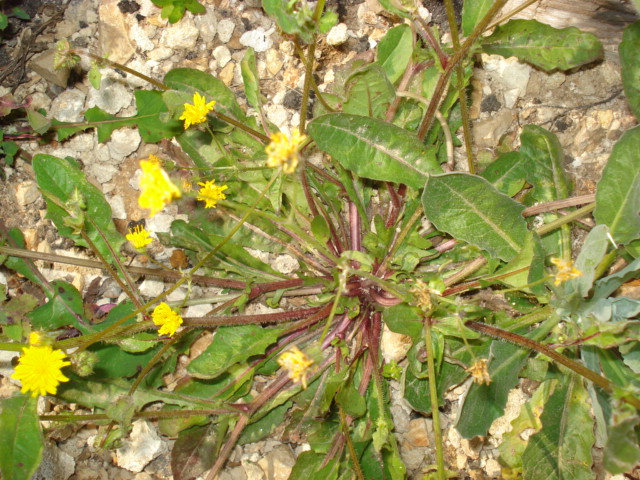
[[585, 108]]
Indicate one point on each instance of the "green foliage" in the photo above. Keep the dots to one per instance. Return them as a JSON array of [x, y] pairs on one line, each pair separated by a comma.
[[381, 236], [543, 46], [631, 66], [21, 450], [174, 10]]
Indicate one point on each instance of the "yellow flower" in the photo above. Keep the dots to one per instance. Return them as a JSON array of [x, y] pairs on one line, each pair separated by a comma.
[[156, 188], [154, 159], [566, 271], [139, 237], [196, 113], [39, 370], [210, 193], [166, 319], [297, 364], [37, 339], [283, 151], [479, 371]]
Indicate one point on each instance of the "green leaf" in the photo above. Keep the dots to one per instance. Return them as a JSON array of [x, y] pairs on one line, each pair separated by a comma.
[[543, 46], [513, 442], [630, 66], [59, 180], [507, 173], [38, 122], [543, 158], [562, 448], [65, 308], [368, 90], [622, 452], [394, 51], [22, 444], [591, 254], [374, 149], [4, 21], [320, 229], [484, 403], [231, 345], [472, 13], [309, 467], [95, 77], [258, 430], [618, 192], [194, 451], [295, 18], [250, 78], [469, 208], [148, 119]]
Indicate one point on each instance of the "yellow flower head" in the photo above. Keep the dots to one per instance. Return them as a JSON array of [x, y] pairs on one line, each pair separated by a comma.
[[166, 319], [210, 193], [37, 339], [283, 151], [139, 237], [566, 271], [479, 371], [156, 188], [39, 370], [297, 364], [196, 113]]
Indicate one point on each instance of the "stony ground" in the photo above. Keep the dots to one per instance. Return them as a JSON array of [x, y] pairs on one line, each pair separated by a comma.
[[586, 109]]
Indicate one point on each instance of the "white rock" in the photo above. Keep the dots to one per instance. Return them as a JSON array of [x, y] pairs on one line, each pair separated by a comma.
[[285, 264], [140, 38], [55, 464], [278, 115], [258, 39], [513, 74], [394, 345], [151, 288], [274, 62], [206, 25], [114, 36], [27, 193], [251, 470], [160, 222], [160, 53], [337, 35], [197, 311], [222, 55], [225, 29], [68, 106], [278, 463], [118, 209], [103, 173], [182, 35], [123, 142], [112, 97], [142, 446]]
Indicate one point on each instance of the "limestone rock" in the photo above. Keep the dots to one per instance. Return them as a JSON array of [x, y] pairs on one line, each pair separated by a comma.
[[114, 36]]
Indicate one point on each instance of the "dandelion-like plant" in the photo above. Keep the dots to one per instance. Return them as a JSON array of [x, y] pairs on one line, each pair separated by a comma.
[[197, 112], [156, 188], [39, 370], [283, 150], [211, 193], [168, 320]]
